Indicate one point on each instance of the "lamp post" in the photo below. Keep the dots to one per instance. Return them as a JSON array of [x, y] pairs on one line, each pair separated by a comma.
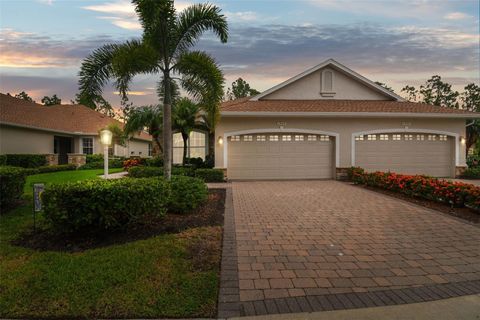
[[106, 140]]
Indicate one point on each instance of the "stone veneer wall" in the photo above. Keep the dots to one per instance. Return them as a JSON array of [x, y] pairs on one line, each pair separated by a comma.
[[52, 159], [77, 159], [341, 174]]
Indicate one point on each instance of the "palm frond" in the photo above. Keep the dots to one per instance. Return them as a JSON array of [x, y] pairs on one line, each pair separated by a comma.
[[195, 20], [203, 79], [95, 72], [149, 117]]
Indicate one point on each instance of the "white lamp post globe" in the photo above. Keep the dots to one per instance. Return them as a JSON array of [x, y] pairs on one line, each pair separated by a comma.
[[106, 139]]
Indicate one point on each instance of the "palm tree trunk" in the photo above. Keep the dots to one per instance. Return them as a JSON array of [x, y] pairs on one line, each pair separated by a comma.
[[211, 145], [185, 147], [167, 128]]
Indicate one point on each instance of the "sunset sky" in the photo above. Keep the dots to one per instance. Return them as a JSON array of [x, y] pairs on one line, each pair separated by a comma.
[[43, 42]]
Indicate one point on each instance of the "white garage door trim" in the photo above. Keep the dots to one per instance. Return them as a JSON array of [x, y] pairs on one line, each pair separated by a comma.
[[275, 130], [402, 130]]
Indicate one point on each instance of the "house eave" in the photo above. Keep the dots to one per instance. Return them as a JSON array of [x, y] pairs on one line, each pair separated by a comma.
[[349, 115]]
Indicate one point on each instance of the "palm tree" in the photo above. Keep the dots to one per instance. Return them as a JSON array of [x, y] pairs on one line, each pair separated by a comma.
[[149, 117], [165, 49], [185, 119]]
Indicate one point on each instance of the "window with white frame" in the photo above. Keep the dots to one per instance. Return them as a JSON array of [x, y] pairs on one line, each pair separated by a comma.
[[261, 138], [150, 149], [234, 138], [87, 145], [196, 146], [408, 137], [324, 138], [299, 137], [384, 137], [442, 137], [371, 137], [248, 138], [396, 137], [312, 137], [432, 137], [273, 138], [359, 138], [420, 137], [286, 137]]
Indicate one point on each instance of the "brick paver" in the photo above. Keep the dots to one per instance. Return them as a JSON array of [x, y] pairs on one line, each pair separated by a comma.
[[326, 245]]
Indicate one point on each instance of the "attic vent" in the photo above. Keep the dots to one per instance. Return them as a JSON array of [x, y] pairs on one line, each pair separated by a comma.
[[327, 83]]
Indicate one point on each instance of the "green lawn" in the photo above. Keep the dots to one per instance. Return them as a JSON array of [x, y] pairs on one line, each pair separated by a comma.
[[147, 278]]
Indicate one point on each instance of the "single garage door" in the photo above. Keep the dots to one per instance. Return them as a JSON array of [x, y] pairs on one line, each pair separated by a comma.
[[272, 156], [412, 153]]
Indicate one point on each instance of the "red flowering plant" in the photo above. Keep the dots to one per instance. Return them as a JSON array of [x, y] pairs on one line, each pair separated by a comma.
[[453, 193], [127, 164]]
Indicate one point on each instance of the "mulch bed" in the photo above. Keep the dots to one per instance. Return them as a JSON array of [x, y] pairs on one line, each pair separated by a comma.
[[463, 213], [209, 214]]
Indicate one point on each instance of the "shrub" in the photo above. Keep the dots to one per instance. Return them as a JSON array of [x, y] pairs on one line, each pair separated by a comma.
[[145, 172], [3, 159], [473, 160], [187, 194], [210, 175], [352, 171], [453, 193], [113, 163], [472, 173], [209, 161], [103, 204], [12, 180], [154, 162], [195, 162], [55, 168], [26, 160], [127, 164], [94, 158]]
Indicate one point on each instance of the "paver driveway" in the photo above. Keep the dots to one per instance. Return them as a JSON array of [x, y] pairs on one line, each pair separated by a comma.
[[325, 238]]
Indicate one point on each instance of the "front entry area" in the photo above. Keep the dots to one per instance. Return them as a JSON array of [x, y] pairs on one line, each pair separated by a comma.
[[277, 156], [406, 153], [62, 146]]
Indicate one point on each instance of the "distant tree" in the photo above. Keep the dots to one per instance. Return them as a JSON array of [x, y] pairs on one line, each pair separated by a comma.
[[24, 96], [98, 103], [411, 92], [471, 101], [439, 93], [50, 101], [240, 89], [381, 84]]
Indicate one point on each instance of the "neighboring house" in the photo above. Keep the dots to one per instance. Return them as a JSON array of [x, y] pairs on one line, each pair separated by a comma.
[[66, 132], [329, 118]]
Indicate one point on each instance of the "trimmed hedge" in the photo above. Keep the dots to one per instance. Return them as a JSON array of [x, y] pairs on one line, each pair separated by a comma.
[[104, 204], [154, 162], [472, 173], [3, 159], [12, 180], [113, 163], [187, 194], [145, 172], [55, 168], [452, 193], [26, 160], [210, 175]]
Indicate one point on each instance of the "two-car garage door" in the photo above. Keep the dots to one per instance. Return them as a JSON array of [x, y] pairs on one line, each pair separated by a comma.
[[280, 156], [407, 153]]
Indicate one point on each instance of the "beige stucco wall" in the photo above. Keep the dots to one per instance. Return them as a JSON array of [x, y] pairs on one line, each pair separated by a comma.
[[138, 147], [344, 127], [25, 141], [308, 88]]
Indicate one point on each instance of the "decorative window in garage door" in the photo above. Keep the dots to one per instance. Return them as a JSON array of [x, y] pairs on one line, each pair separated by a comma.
[[420, 137], [432, 137], [442, 137], [359, 138], [286, 137], [408, 137], [235, 138], [324, 138], [384, 137], [396, 137], [371, 137], [273, 138], [261, 138], [311, 137], [298, 137], [248, 138]]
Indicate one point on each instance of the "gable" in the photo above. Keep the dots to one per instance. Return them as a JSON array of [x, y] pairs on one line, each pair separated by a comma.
[[329, 80]]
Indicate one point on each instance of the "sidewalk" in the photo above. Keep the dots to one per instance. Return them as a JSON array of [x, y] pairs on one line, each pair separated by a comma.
[[461, 308], [117, 175]]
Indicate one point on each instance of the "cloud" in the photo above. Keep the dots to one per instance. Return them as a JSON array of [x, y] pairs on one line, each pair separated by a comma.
[[456, 16], [243, 16], [122, 13], [32, 50], [47, 2]]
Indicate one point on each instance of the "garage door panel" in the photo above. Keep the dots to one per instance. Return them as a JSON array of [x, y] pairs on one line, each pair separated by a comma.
[[415, 156], [280, 159]]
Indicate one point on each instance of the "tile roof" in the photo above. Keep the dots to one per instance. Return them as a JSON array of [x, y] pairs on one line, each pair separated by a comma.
[[371, 106], [76, 119]]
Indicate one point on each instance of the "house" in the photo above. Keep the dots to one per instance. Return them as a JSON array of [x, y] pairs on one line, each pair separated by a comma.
[[329, 118], [65, 133]]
